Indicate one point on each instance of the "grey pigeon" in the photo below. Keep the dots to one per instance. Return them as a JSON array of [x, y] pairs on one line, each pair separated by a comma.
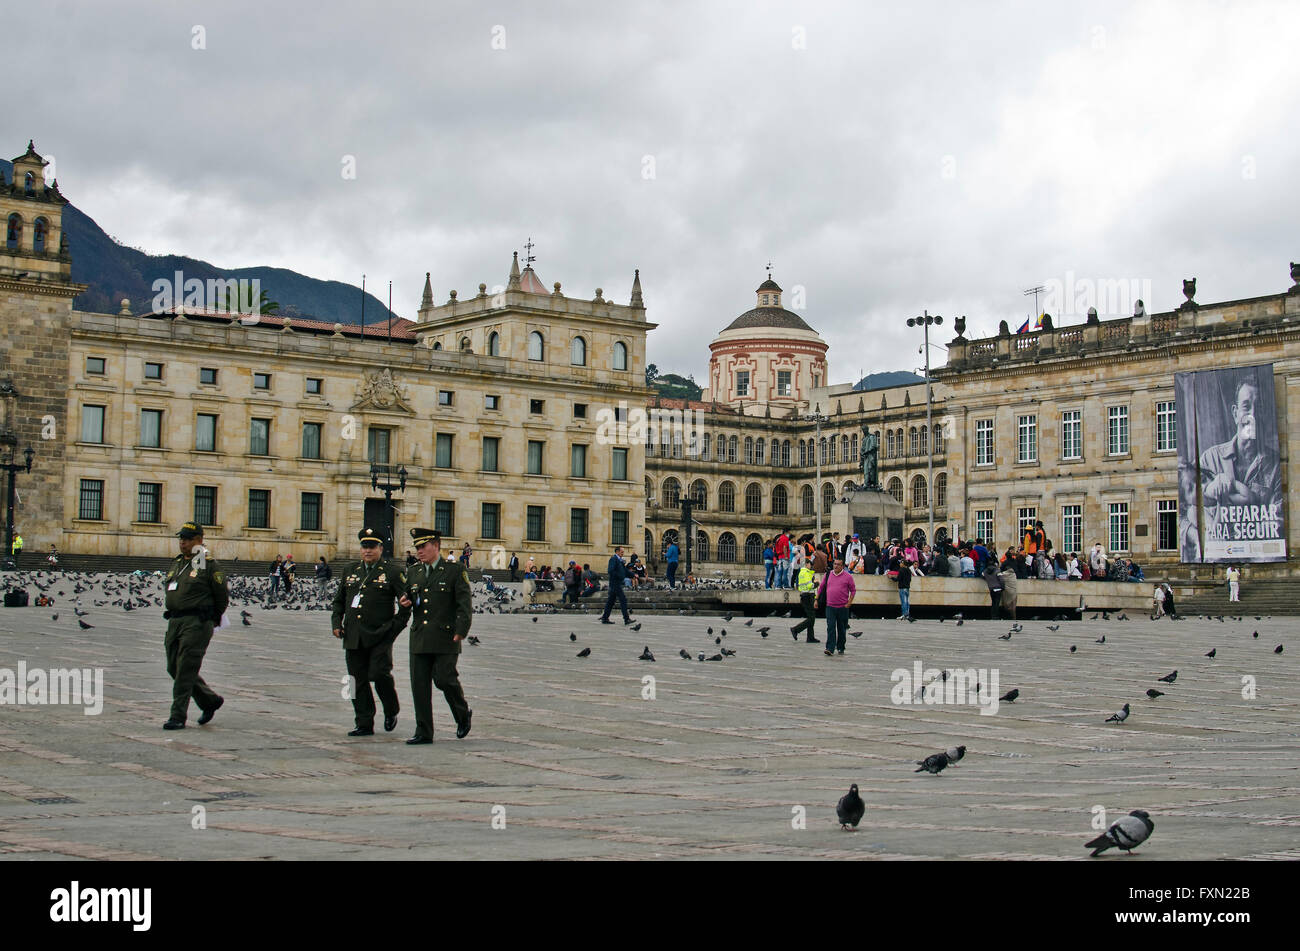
[[1010, 696], [934, 764], [534, 619], [476, 642], [84, 625], [1053, 627], [1126, 834], [1101, 640], [646, 655], [1073, 648], [1278, 649], [1006, 636], [1153, 693], [714, 657], [717, 640], [955, 754], [585, 652], [1212, 653], [726, 617], [1256, 634], [572, 636], [1168, 678], [727, 653], [684, 654], [636, 626], [764, 630], [1118, 717], [749, 623], [850, 809]]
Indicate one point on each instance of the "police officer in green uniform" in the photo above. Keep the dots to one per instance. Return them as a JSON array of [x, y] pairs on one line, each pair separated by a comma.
[[196, 597], [364, 620], [439, 596]]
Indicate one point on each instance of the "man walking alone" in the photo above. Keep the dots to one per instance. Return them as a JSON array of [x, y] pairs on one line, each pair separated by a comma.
[[617, 575], [807, 585], [196, 598]]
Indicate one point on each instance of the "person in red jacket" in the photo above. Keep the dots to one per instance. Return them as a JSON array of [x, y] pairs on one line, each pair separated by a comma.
[[782, 551]]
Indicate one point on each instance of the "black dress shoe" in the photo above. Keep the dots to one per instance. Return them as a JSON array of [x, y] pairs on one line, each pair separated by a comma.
[[174, 724], [390, 723], [606, 620], [362, 731], [418, 740], [462, 730], [209, 713]]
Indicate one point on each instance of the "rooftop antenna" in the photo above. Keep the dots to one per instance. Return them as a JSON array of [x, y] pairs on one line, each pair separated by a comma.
[[528, 253], [1035, 291], [769, 270], [363, 306], [390, 311]]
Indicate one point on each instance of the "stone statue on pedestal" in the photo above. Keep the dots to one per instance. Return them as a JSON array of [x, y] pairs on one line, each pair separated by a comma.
[[870, 461]]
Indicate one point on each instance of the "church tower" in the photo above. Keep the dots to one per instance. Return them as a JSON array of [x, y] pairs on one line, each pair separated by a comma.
[[36, 293]]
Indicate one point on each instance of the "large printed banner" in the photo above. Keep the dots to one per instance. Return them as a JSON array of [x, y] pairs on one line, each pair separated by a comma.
[[1229, 470]]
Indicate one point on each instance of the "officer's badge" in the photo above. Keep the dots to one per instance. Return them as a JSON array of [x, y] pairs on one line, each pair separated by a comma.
[[194, 573], [217, 577], [380, 580]]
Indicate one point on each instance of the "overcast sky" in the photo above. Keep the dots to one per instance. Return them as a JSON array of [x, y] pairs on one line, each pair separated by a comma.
[[887, 160]]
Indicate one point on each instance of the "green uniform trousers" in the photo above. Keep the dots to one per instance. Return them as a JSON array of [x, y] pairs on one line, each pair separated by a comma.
[[364, 665], [186, 643], [435, 670]]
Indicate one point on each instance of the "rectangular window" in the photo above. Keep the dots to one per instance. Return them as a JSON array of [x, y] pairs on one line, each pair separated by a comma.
[[579, 410], [1167, 525], [312, 504], [205, 504], [984, 525], [1119, 526], [578, 462], [1072, 434], [578, 526], [491, 448], [442, 452], [536, 406], [1117, 430], [618, 528], [149, 502], [208, 376], [536, 448], [205, 433], [742, 382], [259, 508], [151, 428], [1027, 429], [261, 381], [315, 386], [259, 437], [619, 467], [92, 424], [377, 444], [445, 397], [444, 517], [153, 371], [783, 383], [983, 442], [1025, 518], [1166, 427], [491, 401], [92, 499], [535, 523], [95, 366], [491, 521], [311, 433], [1071, 528]]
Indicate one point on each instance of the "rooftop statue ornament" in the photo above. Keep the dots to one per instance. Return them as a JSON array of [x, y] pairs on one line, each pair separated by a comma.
[[960, 326], [1295, 278], [1189, 291], [1003, 329]]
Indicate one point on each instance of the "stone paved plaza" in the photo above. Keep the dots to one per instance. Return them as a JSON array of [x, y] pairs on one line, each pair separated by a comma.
[[581, 766]]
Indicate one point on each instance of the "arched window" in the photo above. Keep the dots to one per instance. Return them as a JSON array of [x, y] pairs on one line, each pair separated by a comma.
[[536, 346], [803, 453], [920, 498], [578, 352], [649, 488], [844, 448], [494, 344], [727, 547], [754, 549], [732, 444], [822, 447], [914, 442], [749, 450], [620, 356], [940, 441], [896, 488], [889, 444], [780, 500], [828, 499], [29, 184], [785, 453], [672, 496], [759, 447], [700, 494], [40, 231], [753, 499], [726, 498], [465, 345], [807, 501], [705, 453], [925, 441], [941, 490], [670, 538], [853, 448], [701, 545], [848, 488], [649, 543], [14, 233]]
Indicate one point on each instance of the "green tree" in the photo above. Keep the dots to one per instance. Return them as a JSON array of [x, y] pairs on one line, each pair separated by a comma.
[[651, 374]]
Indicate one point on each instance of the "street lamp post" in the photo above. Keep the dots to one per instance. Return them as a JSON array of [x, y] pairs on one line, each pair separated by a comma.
[[12, 468], [388, 488], [924, 322], [818, 418]]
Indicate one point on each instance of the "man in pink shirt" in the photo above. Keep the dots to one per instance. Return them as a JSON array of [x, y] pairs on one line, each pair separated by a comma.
[[838, 589]]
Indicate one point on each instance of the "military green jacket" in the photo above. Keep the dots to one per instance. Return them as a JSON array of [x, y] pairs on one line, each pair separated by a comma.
[[196, 587], [374, 622], [442, 605]]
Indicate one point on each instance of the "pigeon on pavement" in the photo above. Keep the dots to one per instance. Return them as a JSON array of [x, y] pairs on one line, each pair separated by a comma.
[[850, 809], [1126, 834], [585, 652], [1053, 627], [1278, 649], [572, 636], [84, 625], [1153, 693], [955, 754], [1101, 640], [1168, 678], [1010, 696], [1118, 717], [646, 655], [934, 764], [636, 626], [1006, 636], [1212, 653]]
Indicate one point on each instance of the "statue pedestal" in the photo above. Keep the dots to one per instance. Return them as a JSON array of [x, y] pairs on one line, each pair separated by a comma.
[[868, 512]]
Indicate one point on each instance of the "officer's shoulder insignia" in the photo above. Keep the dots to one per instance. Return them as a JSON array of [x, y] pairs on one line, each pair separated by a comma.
[[401, 579], [218, 577]]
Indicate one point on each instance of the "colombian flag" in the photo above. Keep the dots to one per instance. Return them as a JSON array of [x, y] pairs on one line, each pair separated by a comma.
[[1025, 328]]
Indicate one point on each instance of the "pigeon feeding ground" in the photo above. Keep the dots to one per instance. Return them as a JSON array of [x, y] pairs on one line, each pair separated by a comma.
[[585, 758]]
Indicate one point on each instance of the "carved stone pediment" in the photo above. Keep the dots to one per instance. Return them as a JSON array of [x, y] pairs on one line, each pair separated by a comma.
[[378, 390]]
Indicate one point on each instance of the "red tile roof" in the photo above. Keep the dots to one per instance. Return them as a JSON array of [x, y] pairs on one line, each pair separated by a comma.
[[403, 329]]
